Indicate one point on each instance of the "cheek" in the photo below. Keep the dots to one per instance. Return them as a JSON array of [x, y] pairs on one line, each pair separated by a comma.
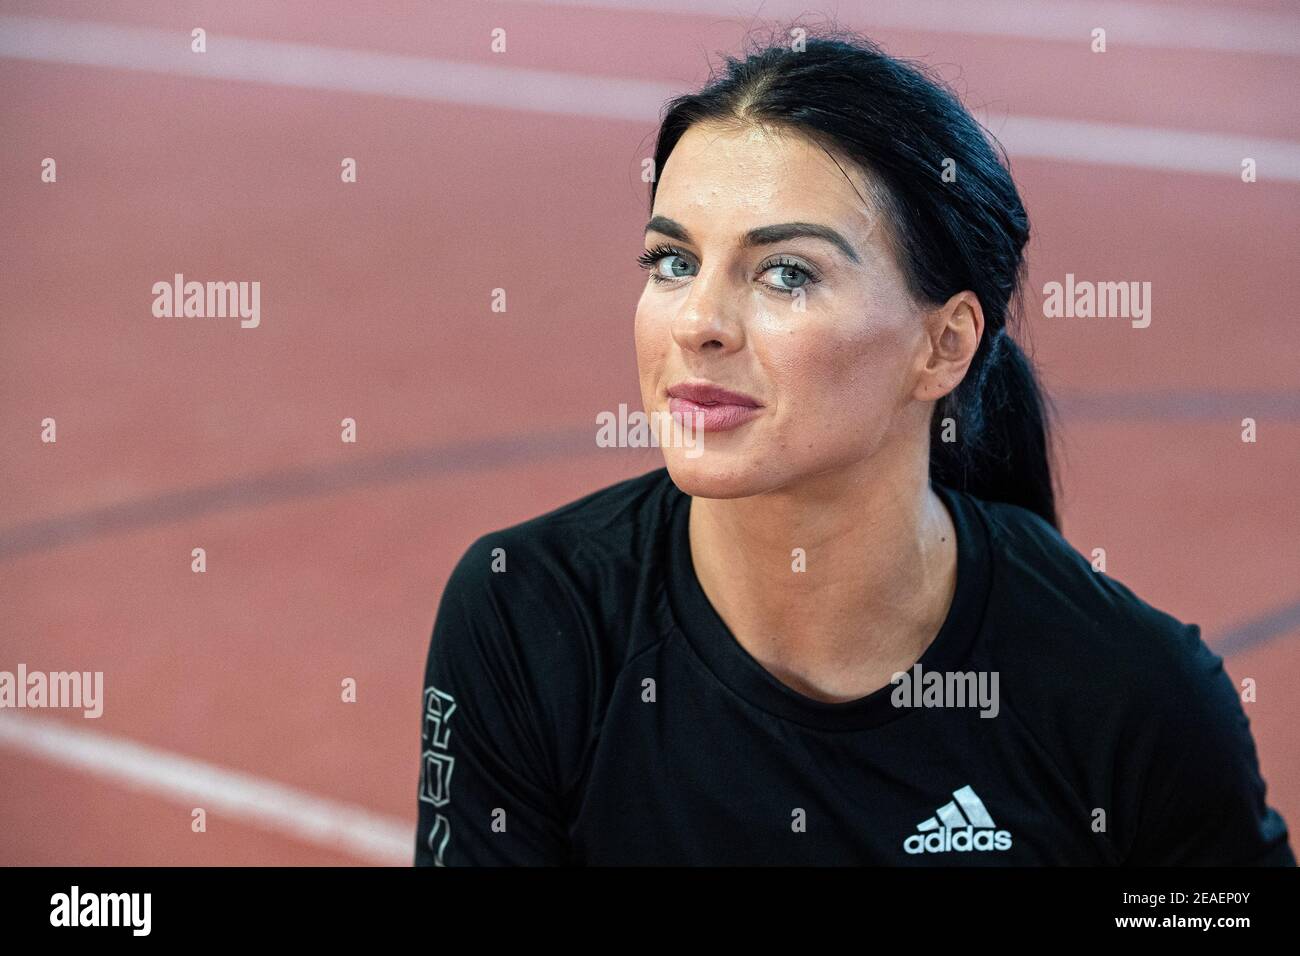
[[840, 373], [651, 340], [867, 367]]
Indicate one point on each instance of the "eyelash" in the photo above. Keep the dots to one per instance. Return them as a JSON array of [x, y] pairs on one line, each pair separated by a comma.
[[648, 259]]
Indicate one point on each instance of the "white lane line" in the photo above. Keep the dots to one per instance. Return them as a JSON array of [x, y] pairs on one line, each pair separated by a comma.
[[610, 98], [1170, 150], [306, 66], [341, 827], [1225, 28]]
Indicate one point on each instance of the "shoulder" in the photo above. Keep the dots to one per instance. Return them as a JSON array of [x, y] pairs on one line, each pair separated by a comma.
[[1057, 610], [1135, 709], [549, 590], [572, 546]]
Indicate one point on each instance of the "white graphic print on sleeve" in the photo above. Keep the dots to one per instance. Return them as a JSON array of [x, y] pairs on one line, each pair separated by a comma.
[[435, 772]]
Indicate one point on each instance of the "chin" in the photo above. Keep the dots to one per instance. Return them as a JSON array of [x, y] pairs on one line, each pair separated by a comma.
[[715, 474]]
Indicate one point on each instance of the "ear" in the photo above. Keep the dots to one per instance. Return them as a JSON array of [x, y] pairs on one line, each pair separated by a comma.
[[953, 332]]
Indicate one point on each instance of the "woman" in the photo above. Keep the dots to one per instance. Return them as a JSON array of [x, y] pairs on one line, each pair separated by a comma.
[[846, 629]]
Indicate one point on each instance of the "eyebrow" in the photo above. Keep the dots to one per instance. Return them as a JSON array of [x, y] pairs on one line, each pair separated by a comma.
[[763, 235]]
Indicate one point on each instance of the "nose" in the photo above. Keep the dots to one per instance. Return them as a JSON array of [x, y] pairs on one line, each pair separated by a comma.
[[709, 319]]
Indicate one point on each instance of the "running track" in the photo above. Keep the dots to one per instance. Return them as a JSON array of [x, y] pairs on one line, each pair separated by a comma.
[[521, 171]]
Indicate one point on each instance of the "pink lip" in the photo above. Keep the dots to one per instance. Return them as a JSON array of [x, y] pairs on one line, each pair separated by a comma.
[[710, 407]]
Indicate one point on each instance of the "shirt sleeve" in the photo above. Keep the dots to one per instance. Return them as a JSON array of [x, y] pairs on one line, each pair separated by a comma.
[[1202, 799], [487, 793]]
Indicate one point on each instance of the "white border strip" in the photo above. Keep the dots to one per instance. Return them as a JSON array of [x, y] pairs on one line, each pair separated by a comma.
[[1225, 28], [573, 94], [264, 804]]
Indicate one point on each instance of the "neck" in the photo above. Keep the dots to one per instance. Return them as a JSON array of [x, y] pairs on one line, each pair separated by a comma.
[[880, 571]]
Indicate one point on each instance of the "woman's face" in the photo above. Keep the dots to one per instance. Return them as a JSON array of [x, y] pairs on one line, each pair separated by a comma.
[[818, 332]]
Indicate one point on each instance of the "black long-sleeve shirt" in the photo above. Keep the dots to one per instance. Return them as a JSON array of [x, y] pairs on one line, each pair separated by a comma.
[[585, 704]]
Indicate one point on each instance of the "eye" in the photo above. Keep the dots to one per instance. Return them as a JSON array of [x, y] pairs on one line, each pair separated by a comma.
[[668, 264], [789, 275], [655, 260]]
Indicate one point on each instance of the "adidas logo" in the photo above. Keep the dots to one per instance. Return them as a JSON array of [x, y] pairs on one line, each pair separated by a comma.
[[961, 825]]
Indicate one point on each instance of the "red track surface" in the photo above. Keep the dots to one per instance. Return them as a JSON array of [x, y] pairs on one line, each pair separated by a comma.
[[375, 306]]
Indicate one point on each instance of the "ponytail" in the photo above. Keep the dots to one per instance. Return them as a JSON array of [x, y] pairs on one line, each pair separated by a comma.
[[1000, 420]]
